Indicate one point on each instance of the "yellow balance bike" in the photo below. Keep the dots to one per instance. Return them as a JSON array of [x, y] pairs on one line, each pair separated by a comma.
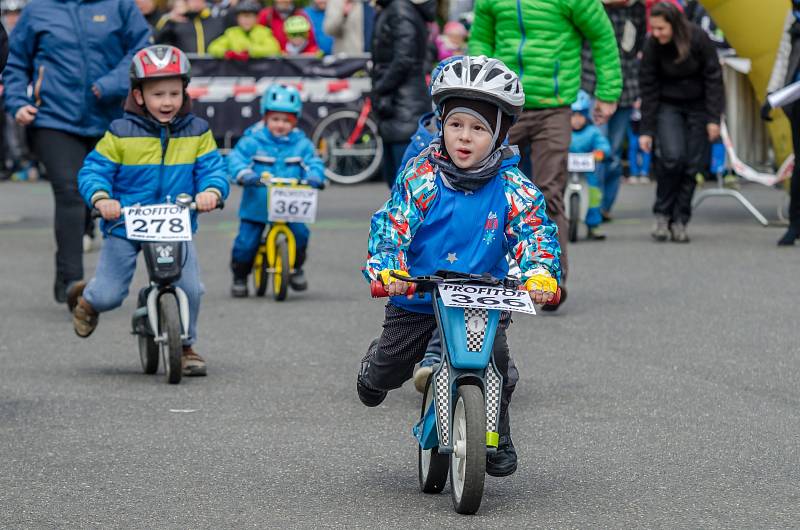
[[288, 201]]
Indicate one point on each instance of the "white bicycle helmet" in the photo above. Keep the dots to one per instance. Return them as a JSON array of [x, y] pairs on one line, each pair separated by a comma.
[[480, 78]]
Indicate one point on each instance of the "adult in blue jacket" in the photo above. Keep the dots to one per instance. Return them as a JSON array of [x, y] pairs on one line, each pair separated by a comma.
[[76, 55]]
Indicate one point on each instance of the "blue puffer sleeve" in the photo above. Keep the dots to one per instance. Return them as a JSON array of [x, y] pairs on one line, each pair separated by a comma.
[[209, 168], [240, 159], [312, 164], [601, 143], [531, 235], [393, 226], [100, 168], [135, 36], [19, 69]]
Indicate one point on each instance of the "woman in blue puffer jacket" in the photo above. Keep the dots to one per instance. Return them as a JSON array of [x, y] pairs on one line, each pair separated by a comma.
[[75, 54]]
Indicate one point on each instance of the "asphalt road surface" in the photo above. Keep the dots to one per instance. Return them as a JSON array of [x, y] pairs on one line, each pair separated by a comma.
[[664, 393]]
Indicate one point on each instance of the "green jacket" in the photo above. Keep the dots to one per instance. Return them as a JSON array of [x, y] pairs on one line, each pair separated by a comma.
[[258, 43], [541, 40]]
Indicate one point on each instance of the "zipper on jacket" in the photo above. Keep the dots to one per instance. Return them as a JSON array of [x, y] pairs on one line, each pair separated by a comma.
[[79, 30], [200, 34], [164, 145], [556, 71], [521, 42]]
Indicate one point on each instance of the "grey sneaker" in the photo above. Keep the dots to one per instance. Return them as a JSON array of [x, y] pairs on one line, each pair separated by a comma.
[[679, 234], [661, 230]]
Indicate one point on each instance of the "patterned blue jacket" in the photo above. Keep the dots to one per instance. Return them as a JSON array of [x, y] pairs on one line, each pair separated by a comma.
[[426, 226]]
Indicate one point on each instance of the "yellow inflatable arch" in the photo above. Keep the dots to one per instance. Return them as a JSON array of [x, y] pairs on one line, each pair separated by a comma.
[[754, 28]]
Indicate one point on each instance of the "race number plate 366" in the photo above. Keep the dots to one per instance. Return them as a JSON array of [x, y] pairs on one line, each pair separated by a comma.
[[292, 205], [580, 162], [485, 297], [158, 222]]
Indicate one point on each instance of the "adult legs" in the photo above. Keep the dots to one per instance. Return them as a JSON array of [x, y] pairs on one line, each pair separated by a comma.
[[392, 156], [670, 145], [697, 155], [549, 134], [793, 232], [62, 155], [617, 126]]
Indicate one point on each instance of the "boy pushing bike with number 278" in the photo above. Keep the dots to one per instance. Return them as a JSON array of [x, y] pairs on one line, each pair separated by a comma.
[[155, 152]]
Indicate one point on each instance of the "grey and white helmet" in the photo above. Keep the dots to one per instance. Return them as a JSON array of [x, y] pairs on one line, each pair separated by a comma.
[[479, 77]]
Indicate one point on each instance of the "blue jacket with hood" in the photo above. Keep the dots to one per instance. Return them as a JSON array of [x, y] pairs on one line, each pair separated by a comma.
[[291, 156], [142, 161], [62, 48]]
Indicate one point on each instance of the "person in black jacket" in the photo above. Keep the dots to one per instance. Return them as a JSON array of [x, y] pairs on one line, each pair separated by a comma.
[[399, 93], [682, 103], [190, 26]]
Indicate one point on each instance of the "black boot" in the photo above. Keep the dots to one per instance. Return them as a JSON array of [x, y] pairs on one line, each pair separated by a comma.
[[369, 396], [240, 272], [504, 462], [788, 239], [297, 280]]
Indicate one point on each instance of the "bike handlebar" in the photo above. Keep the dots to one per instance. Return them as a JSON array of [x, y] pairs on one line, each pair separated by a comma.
[[186, 203]]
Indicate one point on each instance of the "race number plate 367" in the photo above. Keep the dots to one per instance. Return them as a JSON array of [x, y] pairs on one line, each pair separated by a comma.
[[158, 222], [485, 297], [580, 162], [292, 205]]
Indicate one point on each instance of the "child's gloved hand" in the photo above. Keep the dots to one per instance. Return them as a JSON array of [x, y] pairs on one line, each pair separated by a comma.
[[249, 178], [206, 201], [316, 183], [110, 209], [541, 286], [393, 285]]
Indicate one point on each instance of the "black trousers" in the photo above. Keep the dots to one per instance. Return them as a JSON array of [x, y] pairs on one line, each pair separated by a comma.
[[403, 343], [682, 151], [793, 112], [62, 155]]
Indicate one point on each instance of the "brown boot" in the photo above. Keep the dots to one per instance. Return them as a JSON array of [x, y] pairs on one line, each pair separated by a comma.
[[84, 318], [193, 365], [74, 291]]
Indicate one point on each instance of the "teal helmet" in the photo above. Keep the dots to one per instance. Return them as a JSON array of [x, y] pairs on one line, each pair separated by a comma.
[[281, 98], [583, 104]]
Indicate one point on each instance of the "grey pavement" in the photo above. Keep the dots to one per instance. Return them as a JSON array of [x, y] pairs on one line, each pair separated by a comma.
[[664, 394]]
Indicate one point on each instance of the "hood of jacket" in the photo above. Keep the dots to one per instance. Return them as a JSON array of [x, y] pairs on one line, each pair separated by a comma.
[[426, 8]]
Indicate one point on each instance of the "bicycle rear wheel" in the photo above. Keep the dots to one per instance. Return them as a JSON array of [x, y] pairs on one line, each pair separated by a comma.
[[260, 274], [431, 465], [348, 164]]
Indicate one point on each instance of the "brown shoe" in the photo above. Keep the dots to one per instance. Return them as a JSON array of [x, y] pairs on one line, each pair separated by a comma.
[[74, 292], [193, 364], [84, 318]]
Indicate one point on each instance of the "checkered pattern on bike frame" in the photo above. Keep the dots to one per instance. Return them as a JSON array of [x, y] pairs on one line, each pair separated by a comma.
[[442, 389], [493, 384], [475, 338]]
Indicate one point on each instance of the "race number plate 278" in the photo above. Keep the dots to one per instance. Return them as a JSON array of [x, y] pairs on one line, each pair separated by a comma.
[[292, 205], [486, 297], [158, 222]]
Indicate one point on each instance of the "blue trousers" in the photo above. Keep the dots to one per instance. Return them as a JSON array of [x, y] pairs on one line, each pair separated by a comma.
[[115, 268], [247, 240], [634, 153], [593, 215], [611, 172]]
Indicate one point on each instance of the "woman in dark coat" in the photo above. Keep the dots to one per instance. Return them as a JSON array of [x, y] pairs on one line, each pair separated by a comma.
[[682, 104], [76, 55], [399, 92]]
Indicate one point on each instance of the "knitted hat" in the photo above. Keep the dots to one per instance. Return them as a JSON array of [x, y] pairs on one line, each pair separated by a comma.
[[496, 121]]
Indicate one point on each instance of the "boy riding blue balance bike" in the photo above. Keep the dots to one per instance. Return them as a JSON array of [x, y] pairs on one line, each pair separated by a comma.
[[461, 206], [156, 152], [277, 147]]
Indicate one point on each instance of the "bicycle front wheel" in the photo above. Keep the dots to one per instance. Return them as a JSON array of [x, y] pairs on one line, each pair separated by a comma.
[[348, 164], [280, 274], [468, 461], [170, 327]]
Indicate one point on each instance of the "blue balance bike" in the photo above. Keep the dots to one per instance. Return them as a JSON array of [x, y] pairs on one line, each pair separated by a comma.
[[458, 423]]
